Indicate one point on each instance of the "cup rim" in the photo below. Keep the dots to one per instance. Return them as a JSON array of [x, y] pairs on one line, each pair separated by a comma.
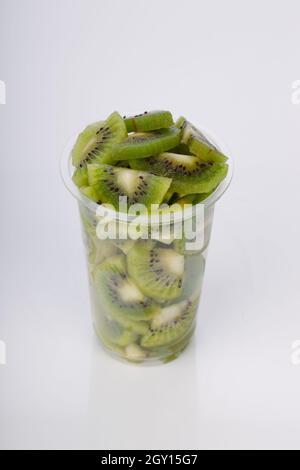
[[67, 169]]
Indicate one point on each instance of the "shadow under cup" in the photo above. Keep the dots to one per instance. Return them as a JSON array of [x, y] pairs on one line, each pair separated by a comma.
[[137, 314]]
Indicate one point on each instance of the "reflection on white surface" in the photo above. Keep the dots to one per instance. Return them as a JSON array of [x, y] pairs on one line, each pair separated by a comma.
[[132, 406]]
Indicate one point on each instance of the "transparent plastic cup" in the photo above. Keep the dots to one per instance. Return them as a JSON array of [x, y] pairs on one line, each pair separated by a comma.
[[130, 338]]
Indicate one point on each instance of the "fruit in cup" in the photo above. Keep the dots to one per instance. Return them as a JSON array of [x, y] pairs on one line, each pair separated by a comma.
[[145, 292]]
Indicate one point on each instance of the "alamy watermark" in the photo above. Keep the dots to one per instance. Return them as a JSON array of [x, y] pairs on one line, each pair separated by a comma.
[[295, 353], [2, 92], [2, 353], [164, 223], [295, 97]]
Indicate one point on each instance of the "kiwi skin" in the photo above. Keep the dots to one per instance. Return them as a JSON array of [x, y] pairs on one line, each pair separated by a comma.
[[189, 174], [198, 143], [142, 145], [96, 141], [111, 182], [149, 121]]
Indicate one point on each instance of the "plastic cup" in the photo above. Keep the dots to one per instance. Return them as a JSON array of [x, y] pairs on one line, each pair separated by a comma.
[[125, 337]]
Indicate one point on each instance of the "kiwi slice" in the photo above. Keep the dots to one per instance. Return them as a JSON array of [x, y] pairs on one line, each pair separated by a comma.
[[100, 250], [199, 144], [86, 142], [149, 121], [205, 181], [193, 277], [189, 174], [96, 141], [113, 347], [119, 293], [90, 193], [139, 327], [115, 333], [111, 182], [182, 149], [158, 271], [145, 144], [192, 199], [124, 245], [80, 177], [171, 325], [134, 353]]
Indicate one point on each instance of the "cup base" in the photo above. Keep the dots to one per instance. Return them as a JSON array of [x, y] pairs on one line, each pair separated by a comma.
[[171, 353]]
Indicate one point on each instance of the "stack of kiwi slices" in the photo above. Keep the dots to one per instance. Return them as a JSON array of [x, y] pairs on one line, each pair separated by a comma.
[[145, 292]]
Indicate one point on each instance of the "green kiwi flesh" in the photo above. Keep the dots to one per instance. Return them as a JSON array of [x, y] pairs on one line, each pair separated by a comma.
[[96, 141], [80, 177], [192, 199], [139, 327], [171, 325], [90, 193], [120, 293], [189, 174], [115, 333], [158, 271], [145, 144], [151, 121], [199, 144], [111, 183]]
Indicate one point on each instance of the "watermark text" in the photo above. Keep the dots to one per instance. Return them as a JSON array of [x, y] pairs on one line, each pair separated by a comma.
[[295, 97], [295, 354], [2, 92], [2, 353], [163, 223]]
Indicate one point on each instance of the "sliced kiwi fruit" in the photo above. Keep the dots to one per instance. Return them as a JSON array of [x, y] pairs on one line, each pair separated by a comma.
[[193, 277], [115, 333], [171, 325], [123, 164], [96, 141], [198, 143], [113, 347], [100, 250], [192, 199], [169, 352], [80, 177], [151, 121], [189, 174], [205, 181], [139, 327], [145, 292], [167, 163], [145, 144], [158, 271], [86, 143], [120, 293], [90, 193], [124, 245], [168, 196], [134, 353], [139, 187], [181, 149]]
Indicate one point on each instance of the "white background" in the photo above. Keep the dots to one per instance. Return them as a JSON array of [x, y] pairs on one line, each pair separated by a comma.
[[229, 66]]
